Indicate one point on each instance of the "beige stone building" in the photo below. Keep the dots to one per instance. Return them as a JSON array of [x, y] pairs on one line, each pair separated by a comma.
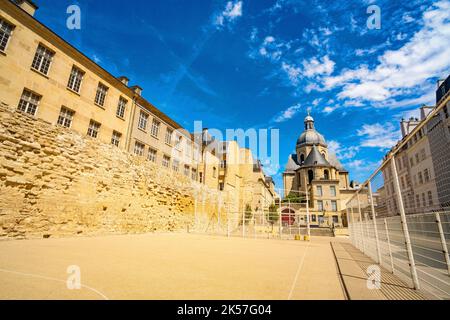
[[315, 171], [415, 170], [45, 77]]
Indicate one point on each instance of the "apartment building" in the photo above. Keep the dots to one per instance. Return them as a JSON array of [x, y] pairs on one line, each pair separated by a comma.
[[439, 137], [43, 76], [423, 163]]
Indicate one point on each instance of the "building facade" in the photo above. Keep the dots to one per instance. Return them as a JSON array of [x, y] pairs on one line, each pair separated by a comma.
[[43, 76], [314, 172], [439, 137], [423, 163]]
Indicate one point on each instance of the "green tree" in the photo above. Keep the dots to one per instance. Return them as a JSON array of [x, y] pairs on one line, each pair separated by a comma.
[[272, 216], [295, 198]]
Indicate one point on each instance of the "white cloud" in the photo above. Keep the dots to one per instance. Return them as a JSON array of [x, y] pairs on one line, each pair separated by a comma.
[[328, 110], [343, 153], [423, 57], [292, 72], [318, 66], [383, 136], [232, 11], [288, 114], [272, 49]]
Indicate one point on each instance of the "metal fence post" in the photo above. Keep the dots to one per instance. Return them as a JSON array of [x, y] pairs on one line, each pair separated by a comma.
[[243, 223], [443, 242], [372, 206], [361, 223], [389, 245], [350, 229], [412, 263], [354, 228], [280, 222]]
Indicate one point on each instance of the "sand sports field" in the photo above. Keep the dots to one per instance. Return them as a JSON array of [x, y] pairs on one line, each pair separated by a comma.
[[169, 266]]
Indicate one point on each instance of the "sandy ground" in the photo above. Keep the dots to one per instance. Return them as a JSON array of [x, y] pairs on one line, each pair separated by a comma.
[[170, 266]]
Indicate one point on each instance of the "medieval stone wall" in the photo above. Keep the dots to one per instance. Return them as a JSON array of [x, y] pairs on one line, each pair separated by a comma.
[[54, 182]]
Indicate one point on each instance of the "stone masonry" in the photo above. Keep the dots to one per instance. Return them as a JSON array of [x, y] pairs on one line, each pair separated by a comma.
[[56, 183]]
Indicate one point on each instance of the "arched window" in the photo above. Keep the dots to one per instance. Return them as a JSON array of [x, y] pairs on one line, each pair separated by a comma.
[[310, 176], [302, 158], [326, 175]]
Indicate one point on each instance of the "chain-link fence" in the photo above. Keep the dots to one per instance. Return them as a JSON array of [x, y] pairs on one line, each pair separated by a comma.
[[285, 218], [399, 218]]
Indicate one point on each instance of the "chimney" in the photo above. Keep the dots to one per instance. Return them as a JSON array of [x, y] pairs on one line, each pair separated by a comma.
[[137, 90], [124, 80], [440, 82], [28, 6], [404, 127]]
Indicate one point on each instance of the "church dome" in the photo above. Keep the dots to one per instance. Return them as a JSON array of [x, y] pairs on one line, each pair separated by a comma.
[[310, 136]]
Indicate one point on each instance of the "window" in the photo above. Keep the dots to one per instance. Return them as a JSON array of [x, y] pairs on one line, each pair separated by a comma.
[[423, 154], [166, 161], [320, 205], [420, 178], [178, 143], [319, 191], [75, 79], [411, 161], [333, 191], [424, 200], [334, 206], [155, 128], [121, 107], [42, 59], [29, 102], [65, 117], [115, 139], [221, 186], [168, 139], [139, 149], [426, 174], [223, 164], [194, 174], [326, 175], [100, 97], [214, 172], [405, 162], [402, 181], [201, 177], [187, 171], [6, 30], [335, 219], [430, 198], [417, 201], [175, 165], [417, 158], [143, 120], [313, 218], [152, 155], [93, 129]]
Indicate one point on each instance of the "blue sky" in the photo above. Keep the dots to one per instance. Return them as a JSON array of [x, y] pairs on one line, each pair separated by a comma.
[[262, 64]]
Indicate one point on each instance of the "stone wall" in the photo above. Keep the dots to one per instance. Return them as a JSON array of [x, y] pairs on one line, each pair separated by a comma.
[[54, 182]]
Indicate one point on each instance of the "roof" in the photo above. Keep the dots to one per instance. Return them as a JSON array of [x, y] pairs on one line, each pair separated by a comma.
[[315, 158], [292, 164], [334, 161]]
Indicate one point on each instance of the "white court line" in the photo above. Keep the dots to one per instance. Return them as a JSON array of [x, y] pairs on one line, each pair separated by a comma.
[[53, 279], [300, 266]]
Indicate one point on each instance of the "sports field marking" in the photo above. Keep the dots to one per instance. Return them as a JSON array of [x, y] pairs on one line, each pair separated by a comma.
[[52, 279], [299, 269]]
